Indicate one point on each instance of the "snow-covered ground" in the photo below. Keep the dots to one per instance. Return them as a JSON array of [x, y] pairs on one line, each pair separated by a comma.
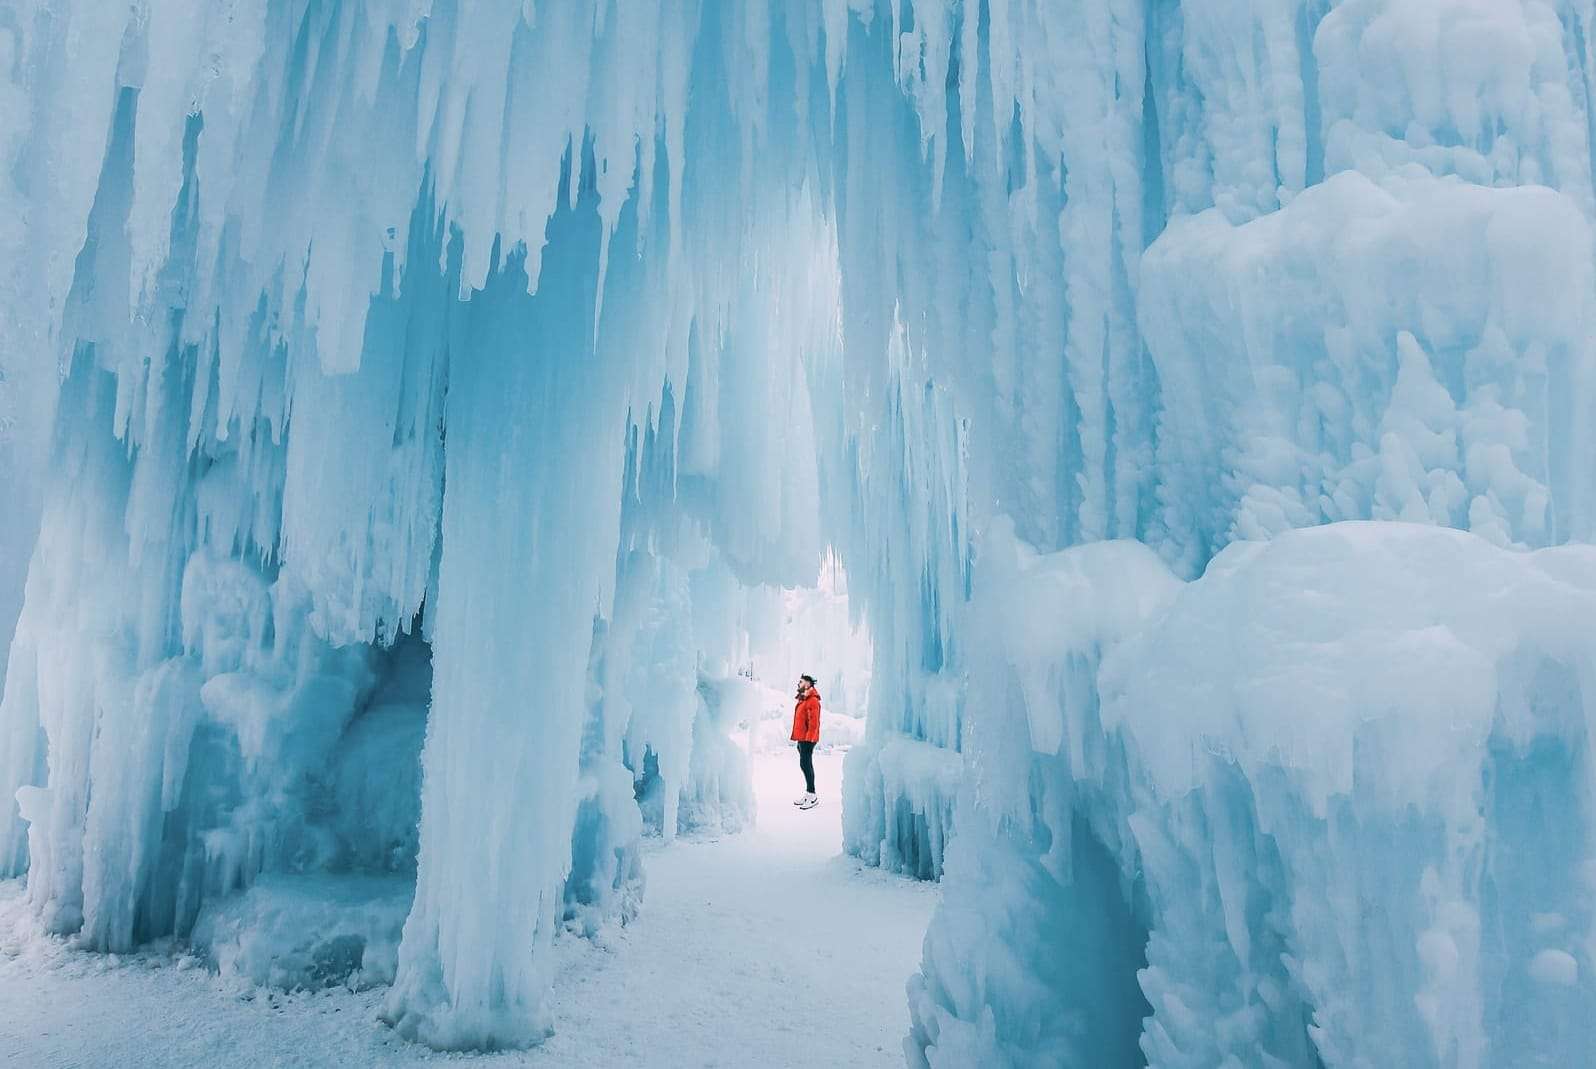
[[767, 948]]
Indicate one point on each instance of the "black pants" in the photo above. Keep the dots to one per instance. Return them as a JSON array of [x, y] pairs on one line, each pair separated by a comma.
[[806, 761]]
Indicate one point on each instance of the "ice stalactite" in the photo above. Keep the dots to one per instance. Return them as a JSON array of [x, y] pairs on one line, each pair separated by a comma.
[[175, 742], [901, 783], [302, 429], [1014, 235], [511, 671], [1343, 321]]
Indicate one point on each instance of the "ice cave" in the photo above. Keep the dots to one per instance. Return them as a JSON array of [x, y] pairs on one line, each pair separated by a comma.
[[1167, 428]]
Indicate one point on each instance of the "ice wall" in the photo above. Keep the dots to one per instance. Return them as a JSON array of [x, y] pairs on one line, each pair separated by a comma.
[[1276, 815], [372, 316], [1194, 273], [24, 423], [1361, 294]]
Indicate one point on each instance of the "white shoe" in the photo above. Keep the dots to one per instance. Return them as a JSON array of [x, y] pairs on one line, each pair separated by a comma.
[[809, 802], [801, 799]]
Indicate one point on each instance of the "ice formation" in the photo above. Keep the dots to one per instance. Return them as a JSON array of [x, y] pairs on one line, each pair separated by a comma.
[[1344, 762], [446, 387]]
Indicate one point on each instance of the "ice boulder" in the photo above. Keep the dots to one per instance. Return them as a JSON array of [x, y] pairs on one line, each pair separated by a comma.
[[308, 932], [1332, 804]]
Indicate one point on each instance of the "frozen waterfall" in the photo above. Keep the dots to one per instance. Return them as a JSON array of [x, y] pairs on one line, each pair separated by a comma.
[[407, 409]]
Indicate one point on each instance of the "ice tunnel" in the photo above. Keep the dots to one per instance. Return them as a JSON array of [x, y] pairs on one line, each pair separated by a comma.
[[406, 407]]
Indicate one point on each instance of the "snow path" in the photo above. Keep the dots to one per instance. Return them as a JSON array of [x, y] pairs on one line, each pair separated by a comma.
[[764, 949]]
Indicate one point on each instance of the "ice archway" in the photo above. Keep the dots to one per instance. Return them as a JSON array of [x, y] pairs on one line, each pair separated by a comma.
[[533, 327]]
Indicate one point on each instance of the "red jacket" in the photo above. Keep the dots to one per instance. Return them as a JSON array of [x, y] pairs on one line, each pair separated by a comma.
[[806, 718]]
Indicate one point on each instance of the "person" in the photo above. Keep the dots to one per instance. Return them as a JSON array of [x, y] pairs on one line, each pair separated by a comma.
[[806, 732]]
